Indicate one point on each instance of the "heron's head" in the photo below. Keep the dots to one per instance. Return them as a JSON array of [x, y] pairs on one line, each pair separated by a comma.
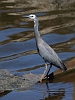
[[32, 16]]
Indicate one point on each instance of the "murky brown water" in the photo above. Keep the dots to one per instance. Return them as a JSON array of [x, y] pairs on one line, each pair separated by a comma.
[[17, 44]]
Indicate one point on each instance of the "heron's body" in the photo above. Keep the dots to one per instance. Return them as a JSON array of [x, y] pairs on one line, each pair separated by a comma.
[[48, 54], [45, 51]]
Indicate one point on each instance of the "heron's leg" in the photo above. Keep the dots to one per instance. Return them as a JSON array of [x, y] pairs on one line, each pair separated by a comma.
[[43, 73], [49, 70]]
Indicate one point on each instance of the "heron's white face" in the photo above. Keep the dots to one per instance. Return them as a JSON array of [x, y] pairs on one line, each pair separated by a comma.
[[32, 16]]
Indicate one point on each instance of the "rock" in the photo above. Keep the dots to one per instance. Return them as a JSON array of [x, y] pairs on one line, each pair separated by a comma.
[[10, 82]]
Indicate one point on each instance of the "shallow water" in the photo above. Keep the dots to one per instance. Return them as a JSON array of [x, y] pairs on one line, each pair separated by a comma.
[[18, 51]]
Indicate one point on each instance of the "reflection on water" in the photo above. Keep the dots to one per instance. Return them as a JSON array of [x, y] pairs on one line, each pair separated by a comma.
[[17, 44], [59, 91]]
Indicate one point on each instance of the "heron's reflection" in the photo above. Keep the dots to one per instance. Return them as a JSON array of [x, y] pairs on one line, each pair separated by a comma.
[[53, 94]]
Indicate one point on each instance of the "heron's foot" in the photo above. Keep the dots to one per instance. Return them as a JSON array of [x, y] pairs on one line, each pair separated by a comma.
[[40, 81], [47, 76]]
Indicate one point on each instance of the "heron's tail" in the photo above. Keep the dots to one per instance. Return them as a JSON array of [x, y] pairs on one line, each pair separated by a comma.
[[63, 66]]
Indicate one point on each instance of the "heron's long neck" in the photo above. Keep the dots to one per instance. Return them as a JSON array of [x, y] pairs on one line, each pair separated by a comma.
[[37, 35]]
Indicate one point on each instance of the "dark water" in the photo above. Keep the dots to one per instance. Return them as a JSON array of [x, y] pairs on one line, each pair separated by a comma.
[[18, 51]]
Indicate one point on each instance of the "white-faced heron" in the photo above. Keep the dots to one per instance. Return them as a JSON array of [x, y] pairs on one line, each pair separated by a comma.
[[45, 51]]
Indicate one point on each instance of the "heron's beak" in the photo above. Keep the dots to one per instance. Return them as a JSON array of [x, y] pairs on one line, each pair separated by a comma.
[[26, 16]]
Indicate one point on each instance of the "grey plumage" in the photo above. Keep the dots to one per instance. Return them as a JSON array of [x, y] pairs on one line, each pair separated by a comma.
[[49, 55], [45, 51]]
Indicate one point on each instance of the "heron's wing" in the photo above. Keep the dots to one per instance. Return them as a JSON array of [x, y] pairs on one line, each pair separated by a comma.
[[48, 53], [49, 50]]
